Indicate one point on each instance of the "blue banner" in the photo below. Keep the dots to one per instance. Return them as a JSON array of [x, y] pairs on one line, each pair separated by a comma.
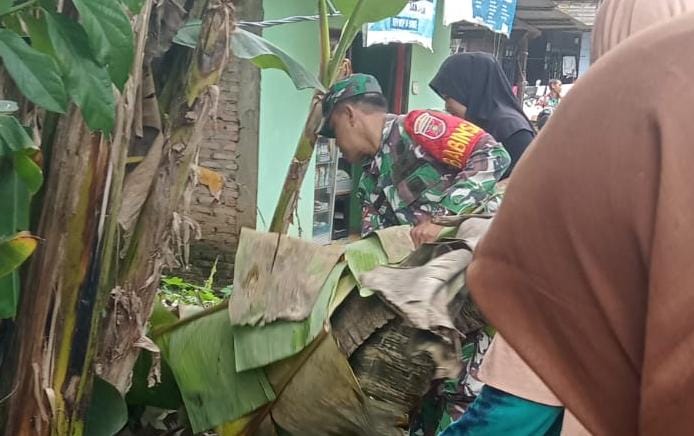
[[497, 15], [415, 24]]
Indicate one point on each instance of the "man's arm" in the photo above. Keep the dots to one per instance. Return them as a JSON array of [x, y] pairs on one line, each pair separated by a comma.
[[476, 183], [370, 218]]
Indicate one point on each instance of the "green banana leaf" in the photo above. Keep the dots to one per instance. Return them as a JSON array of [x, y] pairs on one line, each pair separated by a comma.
[[260, 51], [362, 256], [277, 277], [344, 289], [201, 357], [20, 178], [396, 242], [258, 346], [107, 413]]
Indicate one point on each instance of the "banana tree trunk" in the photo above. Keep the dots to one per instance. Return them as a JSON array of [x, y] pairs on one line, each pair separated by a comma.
[[289, 198], [76, 273], [331, 69], [192, 107], [55, 326]]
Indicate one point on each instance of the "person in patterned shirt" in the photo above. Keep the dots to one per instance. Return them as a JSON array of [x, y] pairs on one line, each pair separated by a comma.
[[416, 166]]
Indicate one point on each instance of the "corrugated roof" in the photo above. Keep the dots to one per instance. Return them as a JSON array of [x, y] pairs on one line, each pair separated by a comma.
[[538, 15], [582, 10], [545, 15]]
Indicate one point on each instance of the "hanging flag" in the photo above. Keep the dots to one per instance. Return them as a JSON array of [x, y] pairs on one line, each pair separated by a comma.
[[413, 25], [496, 15]]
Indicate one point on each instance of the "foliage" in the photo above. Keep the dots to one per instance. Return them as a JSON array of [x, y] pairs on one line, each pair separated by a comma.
[[201, 356], [260, 51], [258, 346], [54, 61], [175, 291], [36, 74], [107, 413], [61, 59], [363, 256], [20, 178]]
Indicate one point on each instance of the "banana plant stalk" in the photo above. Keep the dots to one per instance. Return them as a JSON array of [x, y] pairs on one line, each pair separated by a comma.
[[330, 70]]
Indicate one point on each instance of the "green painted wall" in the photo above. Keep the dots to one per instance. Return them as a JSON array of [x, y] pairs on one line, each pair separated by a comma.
[[425, 64], [283, 111]]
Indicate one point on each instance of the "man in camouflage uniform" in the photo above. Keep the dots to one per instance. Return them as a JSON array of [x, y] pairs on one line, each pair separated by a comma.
[[416, 166]]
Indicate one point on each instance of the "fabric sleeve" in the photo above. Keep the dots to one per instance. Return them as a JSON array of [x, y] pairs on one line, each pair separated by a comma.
[[516, 145], [371, 220], [476, 183]]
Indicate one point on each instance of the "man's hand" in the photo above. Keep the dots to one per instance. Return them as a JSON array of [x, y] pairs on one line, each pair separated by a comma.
[[425, 232]]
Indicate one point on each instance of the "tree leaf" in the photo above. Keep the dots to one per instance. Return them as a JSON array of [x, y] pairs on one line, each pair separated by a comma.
[[268, 285], [88, 84], [260, 51], [369, 11], [363, 256], [201, 356], [28, 171], [14, 250], [189, 34], [110, 36], [107, 413], [257, 346], [8, 106], [38, 32], [36, 74], [5, 5], [13, 137], [264, 54], [135, 6], [15, 196]]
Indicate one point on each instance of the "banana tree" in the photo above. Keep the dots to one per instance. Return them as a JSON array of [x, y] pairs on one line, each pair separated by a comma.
[[82, 69]]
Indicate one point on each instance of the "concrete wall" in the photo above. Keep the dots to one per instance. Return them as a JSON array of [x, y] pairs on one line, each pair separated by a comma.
[[584, 57], [283, 111], [425, 64]]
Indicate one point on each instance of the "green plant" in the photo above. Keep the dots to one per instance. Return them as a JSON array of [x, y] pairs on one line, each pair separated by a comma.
[[76, 70]]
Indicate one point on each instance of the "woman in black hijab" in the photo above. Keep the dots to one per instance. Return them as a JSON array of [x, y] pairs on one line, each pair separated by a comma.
[[475, 88]]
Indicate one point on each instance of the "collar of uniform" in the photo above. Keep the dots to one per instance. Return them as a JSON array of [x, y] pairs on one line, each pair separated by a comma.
[[369, 164]]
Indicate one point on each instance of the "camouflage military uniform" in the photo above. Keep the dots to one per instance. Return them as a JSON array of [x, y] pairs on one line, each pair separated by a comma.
[[402, 183], [429, 164]]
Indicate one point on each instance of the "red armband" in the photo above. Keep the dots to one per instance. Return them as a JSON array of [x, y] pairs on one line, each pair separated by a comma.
[[447, 138]]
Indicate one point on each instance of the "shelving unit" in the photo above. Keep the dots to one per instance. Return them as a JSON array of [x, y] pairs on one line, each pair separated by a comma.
[[332, 193], [324, 194]]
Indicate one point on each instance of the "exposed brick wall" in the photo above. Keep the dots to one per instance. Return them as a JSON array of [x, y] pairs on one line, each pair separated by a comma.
[[230, 149], [218, 220]]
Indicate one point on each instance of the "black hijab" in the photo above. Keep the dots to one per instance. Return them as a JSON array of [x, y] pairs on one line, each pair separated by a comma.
[[477, 81]]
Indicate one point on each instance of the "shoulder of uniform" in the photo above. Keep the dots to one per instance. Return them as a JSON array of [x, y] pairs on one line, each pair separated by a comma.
[[447, 138]]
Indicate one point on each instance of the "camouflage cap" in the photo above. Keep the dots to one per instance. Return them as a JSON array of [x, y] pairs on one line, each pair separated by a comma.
[[356, 84]]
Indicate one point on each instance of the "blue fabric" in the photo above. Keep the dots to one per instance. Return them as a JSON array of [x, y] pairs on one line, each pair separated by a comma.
[[497, 413]]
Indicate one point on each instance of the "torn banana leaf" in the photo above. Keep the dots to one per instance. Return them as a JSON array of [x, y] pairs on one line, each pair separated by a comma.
[[277, 277], [257, 346], [397, 242], [201, 356], [344, 288], [422, 294], [321, 396], [362, 256]]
